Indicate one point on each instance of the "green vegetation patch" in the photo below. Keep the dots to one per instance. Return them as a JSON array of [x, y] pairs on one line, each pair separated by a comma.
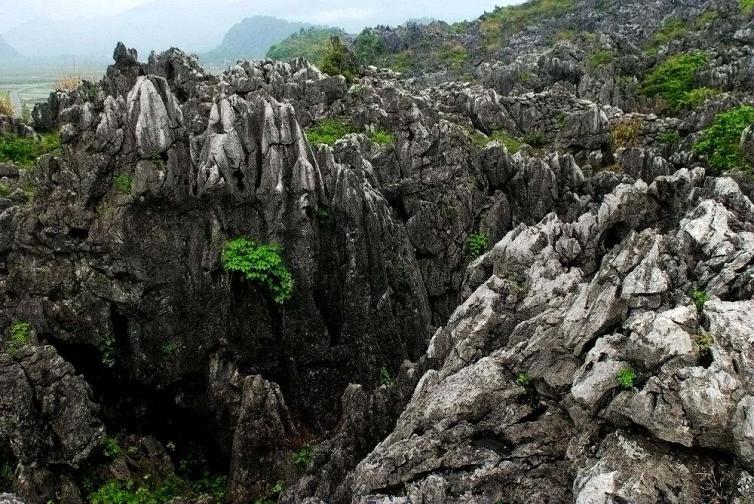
[[721, 141], [497, 25], [698, 96], [329, 131], [512, 144], [699, 297], [304, 455], [523, 379], [19, 335], [626, 378], [310, 44], [337, 60], [123, 183], [476, 244], [25, 151], [386, 378], [128, 492], [673, 79], [261, 264], [747, 7], [601, 57], [668, 137]]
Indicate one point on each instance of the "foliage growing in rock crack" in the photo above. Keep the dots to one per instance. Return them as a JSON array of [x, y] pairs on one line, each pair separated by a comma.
[[111, 447], [329, 131], [24, 151], [523, 379], [626, 133], [673, 79], [721, 141], [6, 106], [626, 378], [504, 21], [19, 335], [337, 60], [747, 7], [476, 244], [304, 455], [386, 378], [512, 144], [704, 342], [699, 297], [668, 137], [123, 183], [107, 351], [261, 264]]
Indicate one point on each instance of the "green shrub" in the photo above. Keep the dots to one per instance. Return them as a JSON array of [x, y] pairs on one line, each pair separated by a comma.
[[337, 60], [111, 447], [476, 244], [704, 342], [261, 264], [25, 151], [7, 473], [304, 455], [535, 139], [368, 47], [271, 496], [123, 183], [329, 131], [747, 7], [523, 379], [697, 97], [626, 378], [454, 55], [159, 492], [381, 137], [512, 144], [721, 141], [386, 378], [673, 79], [699, 297], [4, 190], [601, 57], [668, 137], [107, 351], [19, 335], [673, 29]]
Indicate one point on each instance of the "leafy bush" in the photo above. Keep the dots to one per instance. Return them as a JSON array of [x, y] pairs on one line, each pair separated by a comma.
[[626, 133], [111, 447], [386, 378], [721, 141], [673, 79], [6, 106], [4, 190], [626, 378], [368, 47], [107, 351], [523, 379], [698, 96], [304, 455], [512, 144], [19, 335], [668, 137], [454, 55], [25, 151], [382, 137], [476, 244], [704, 342], [601, 57], [67, 82], [259, 263], [123, 183], [747, 7], [329, 131], [535, 139], [699, 297], [337, 60], [673, 29]]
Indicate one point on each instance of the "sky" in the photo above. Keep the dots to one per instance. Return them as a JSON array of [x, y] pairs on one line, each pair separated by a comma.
[[16, 12]]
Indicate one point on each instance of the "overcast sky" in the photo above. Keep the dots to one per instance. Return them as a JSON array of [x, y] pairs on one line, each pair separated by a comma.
[[334, 12]]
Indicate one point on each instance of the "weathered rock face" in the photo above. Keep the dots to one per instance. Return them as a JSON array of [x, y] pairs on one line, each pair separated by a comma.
[[567, 363]]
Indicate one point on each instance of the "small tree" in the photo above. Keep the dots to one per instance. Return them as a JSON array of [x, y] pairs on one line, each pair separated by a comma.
[[338, 60]]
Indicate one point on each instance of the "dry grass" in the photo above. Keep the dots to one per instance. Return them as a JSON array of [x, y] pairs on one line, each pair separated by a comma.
[[6, 107], [67, 82], [626, 133]]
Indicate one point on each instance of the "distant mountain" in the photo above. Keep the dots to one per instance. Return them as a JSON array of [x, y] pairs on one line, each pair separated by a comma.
[[6, 50], [157, 25], [252, 38]]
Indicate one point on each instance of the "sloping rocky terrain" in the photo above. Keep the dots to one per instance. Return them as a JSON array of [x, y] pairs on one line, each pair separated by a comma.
[[516, 275]]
